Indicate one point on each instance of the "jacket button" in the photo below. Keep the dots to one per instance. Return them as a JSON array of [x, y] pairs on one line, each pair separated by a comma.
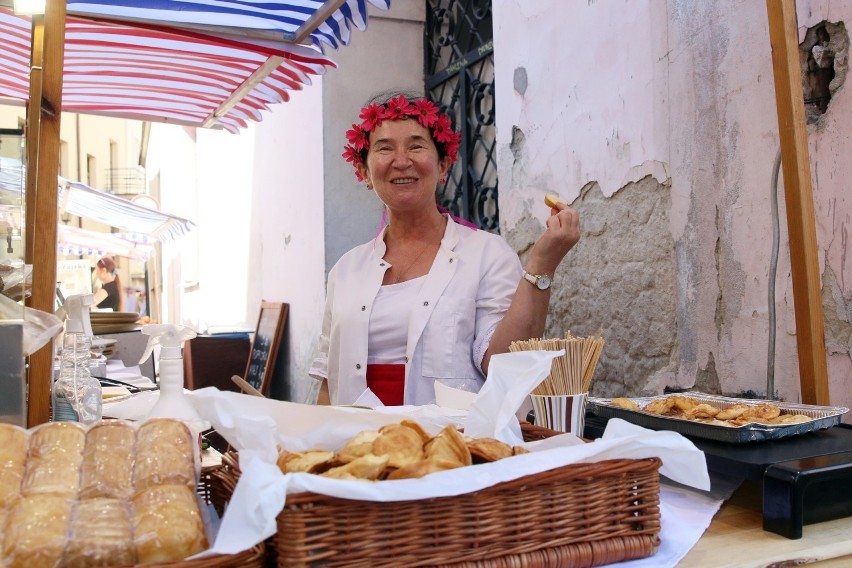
[[357, 365], [406, 359], [426, 303], [381, 264], [363, 308], [451, 261]]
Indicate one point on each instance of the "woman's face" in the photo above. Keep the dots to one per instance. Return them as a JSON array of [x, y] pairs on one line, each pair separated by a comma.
[[402, 164], [102, 273]]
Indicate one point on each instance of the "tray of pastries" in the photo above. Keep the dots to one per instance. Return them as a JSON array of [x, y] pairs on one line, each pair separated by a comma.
[[721, 418]]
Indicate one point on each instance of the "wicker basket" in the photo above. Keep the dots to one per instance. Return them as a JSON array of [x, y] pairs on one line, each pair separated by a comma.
[[576, 515], [216, 487]]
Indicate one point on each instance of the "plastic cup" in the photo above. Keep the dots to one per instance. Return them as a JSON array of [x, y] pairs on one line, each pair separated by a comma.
[[563, 413]]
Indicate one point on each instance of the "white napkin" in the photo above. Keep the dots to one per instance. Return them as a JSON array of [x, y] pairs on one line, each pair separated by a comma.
[[511, 378]]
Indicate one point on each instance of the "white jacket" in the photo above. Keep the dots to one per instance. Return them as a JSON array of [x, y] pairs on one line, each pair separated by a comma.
[[465, 295]]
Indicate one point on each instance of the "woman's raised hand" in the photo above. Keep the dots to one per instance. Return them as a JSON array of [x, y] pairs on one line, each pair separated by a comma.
[[562, 232]]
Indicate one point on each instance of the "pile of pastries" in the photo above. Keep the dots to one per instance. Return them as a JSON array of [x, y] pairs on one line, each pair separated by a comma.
[[110, 495], [397, 451], [740, 414]]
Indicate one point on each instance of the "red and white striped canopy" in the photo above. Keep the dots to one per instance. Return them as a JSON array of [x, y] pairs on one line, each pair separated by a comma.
[[158, 72]]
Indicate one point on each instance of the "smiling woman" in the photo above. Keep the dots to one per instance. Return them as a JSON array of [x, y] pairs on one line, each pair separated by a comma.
[[431, 298]]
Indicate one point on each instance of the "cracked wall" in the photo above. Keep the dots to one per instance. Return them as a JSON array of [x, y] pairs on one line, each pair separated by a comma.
[[619, 281], [677, 97]]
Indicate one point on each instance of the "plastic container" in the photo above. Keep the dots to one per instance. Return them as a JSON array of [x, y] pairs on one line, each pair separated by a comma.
[[77, 396]]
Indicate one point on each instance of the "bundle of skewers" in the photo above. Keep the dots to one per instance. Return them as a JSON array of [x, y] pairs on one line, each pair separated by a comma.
[[570, 373]]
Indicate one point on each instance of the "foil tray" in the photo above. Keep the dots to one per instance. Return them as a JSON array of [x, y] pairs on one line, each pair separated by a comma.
[[822, 417]]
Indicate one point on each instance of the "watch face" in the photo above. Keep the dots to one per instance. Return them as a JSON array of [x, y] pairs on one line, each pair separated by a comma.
[[543, 282]]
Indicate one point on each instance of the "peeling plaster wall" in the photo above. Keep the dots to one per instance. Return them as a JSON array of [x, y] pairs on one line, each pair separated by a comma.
[[672, 102]]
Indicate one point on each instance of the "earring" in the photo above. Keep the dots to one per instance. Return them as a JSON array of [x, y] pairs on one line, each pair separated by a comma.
[[444, 180], [369, 186]]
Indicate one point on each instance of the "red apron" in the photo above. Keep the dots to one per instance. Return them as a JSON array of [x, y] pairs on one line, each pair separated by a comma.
[[387, 382]]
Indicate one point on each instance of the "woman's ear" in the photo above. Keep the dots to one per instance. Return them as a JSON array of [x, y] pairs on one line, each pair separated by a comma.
[[365, 174], [444, 166]]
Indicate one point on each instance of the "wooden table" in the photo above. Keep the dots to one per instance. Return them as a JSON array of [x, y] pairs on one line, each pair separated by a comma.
[[736, 539]]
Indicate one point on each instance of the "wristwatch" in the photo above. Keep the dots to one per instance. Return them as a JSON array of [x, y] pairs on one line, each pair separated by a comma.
[[540, 281]]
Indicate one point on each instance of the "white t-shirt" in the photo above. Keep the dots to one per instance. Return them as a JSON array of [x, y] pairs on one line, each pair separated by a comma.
[[389, 317]]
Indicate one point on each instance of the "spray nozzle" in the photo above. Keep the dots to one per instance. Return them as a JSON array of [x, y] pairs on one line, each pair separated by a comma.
[[169, 337], [77, 310]]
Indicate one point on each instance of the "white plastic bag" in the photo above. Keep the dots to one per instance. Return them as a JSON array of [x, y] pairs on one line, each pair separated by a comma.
[[39, 327]]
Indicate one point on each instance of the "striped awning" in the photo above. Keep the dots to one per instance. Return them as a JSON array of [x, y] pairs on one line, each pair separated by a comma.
[[75, 241], [84, 201], [170, 61], [322, 22]]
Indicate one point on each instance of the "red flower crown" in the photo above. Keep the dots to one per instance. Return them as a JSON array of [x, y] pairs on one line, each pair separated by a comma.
[[423, 109]]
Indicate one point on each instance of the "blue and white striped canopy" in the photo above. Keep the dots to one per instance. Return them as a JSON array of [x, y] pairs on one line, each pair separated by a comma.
[[272, 19]]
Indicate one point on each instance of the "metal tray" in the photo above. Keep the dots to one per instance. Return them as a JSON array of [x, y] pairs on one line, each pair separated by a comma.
[[823, 417]]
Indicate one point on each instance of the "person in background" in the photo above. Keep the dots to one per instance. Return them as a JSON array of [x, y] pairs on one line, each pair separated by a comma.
[[431, 298], [111, 293]]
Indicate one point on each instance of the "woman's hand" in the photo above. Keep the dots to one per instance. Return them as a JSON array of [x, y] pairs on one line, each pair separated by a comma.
[[562, 232]]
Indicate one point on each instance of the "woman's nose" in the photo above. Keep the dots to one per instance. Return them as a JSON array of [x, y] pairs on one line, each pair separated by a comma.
[[401, 159]]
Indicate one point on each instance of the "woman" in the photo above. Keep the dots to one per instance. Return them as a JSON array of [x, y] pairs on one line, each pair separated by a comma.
[[111, 294], [428, 299]]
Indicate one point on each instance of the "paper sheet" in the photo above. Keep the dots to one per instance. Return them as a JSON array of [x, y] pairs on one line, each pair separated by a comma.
[[256, 426]]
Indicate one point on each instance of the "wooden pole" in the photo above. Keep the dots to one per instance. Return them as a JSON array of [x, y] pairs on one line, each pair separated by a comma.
[[43, 115], [798, 192]]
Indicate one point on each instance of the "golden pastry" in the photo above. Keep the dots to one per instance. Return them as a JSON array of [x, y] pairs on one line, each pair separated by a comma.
[[307, 461], [13, 457], [101, 535], [402, 445], [625, 403], [164, 454], [684, 403], [365, 468], [358, 446], [37, 531], [702, 410], [790, 419], [167, 524], [484, 450], [764, 411], [732, 412], [449, 446], [57, 437], [659, 406], [423, 467], [58, 472], [108, 458]]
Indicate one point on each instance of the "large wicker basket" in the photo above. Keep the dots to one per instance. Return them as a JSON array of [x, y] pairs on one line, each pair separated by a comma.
[[577, 515]]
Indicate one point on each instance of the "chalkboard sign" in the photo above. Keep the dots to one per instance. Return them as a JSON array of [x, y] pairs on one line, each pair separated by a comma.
[[264, 347]]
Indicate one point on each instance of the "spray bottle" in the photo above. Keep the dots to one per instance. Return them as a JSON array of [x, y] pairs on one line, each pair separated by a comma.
[[77, 395], [172, 402]]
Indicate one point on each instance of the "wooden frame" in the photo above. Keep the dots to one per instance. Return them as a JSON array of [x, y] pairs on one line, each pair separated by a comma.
[[264, 346]]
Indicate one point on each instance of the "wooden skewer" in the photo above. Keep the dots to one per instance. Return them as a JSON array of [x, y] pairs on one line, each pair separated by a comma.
[[247, 388]]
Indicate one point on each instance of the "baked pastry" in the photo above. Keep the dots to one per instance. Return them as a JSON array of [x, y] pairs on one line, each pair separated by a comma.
[[57, 472], [101, 535], [164, 454], [13, 458], [167, 524], [107, 469], [37, 531], [57, 437]]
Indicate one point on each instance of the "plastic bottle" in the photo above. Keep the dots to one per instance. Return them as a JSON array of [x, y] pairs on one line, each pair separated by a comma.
[[172, 402], [77, 396]]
